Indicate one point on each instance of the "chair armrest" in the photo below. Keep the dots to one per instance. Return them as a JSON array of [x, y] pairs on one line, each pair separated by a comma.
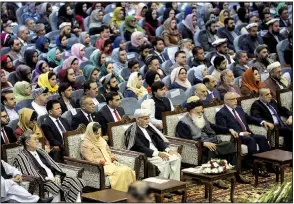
[[30, 183], [72, 171], [93, 174], [258, 130]]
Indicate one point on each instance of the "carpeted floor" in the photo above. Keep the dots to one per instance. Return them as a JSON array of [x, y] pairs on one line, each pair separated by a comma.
[[244, 193]]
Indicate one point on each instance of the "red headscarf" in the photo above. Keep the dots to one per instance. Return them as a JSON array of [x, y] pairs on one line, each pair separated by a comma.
[[4, 84], [249, 81], [3, 64]]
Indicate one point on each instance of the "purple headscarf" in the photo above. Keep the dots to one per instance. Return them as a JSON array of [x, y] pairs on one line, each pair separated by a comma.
[[38, 70]]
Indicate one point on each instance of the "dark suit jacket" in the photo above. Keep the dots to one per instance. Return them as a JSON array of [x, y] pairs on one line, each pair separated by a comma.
[[215, 93], [259, 110], [271, 42], [225, 33], [80, 118], [223, 89], [225, 118], [165, 55], [63, 106], [186, 33], [249, 46], [205, 44], [52, 133], [9, 134], [238, 70], [105, 116], [282, 24]]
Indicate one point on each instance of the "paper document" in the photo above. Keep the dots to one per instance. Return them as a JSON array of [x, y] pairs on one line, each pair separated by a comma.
[[155, 180]]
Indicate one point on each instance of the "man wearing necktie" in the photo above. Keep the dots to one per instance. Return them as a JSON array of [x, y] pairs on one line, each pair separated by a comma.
[[158, 46], [7, 135], [110, 112], [210, 82], [266, 108], [54, 127]]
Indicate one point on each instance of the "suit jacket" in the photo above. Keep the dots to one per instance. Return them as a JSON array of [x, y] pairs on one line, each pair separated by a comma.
[[288, 55], [105, 116], [225, 33], [165, 55], [238, 70], [271, 42], [225, 118], [14, 55], [63, 106], [259, 110], [215, 93], [205, 44], [80, 118], [52, 133], [272, 85], [282, 24], [9, 134], [248, 45], [223, 89]]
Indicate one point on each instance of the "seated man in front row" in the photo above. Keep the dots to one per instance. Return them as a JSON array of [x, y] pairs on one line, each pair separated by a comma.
[[143, 137], [195, 126]]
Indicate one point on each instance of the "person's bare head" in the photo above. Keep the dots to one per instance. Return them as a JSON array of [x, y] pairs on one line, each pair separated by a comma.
[[227, 77], [265, 95], [201, 91], [210, 82], [23, 33], [230, 99]]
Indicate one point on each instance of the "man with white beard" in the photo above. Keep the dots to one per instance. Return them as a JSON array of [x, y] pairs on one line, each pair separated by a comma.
[[186, 46], [195, 126]]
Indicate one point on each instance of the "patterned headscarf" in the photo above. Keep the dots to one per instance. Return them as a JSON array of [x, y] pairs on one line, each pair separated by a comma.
[[132, 85], [167, 28]]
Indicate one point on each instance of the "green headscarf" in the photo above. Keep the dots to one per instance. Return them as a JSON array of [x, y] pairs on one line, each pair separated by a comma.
[[51, 57], [19, 91], [103, 72], [280, 5], [131, 29], [88, 70], [95, 58]]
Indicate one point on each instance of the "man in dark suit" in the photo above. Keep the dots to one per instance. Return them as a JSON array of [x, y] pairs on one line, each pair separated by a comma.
[[86, 114], [110, 112], [265, 17], [227, 84], [233, 117], [273, 36], [65, 100], [251, 41], [210, 82], [199, 57], [109, 83], [284, 16], [53, 127], [268, 109], [228, 32], [158, 47], [7, 135]]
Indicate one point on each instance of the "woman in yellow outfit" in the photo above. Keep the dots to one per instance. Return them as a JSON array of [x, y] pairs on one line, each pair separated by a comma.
[[48, 80]]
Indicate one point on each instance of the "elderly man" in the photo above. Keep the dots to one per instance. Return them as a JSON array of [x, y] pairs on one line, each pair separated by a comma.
[[208, 36], [186, 46], [222, 50], [195, 126], [181, 60], [251, 41], [23, 34], [210, 82], [40, 97], [263, 59], [241, 63], [276, 80], [266, 108], [227, 84], [30, 24], [15, 47], [34, 161], [12, 191], [201, 92], [143, 137], [228, 32], [65, 29], [220, 64], [199, 57]]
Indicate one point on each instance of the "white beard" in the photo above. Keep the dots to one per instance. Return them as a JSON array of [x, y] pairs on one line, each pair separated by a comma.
[[198, 121], [188, 52]]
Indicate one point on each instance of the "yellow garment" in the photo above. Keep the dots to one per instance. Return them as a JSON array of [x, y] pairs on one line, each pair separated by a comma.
[[43, 81], [221, 21], [115, 18], [132, 85], [94, 148], [25, 115]]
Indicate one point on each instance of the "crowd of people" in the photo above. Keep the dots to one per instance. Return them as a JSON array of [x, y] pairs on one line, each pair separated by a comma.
[[113, 51]]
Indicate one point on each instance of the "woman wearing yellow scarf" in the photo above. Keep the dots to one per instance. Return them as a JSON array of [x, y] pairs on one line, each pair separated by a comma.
[[118, 16], [222, 16], [95, 149], [48, 80]]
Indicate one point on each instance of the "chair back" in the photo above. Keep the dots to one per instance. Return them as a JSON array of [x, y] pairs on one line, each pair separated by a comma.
[[158, 31], [110, 8], [171, 51], [71, 41], [281, 46], [129, 105], [211, 111], [166, 80], [190, 91], [238, 81], [53, 35], [142, 71], [86, 22], [93, 39], [196, 38], [41, 119], [247, 103], [77, 94], [10, 151], [239, 27], [177, 96], [83, 64], [284, 98], [13, 124], [5, 50], [12, 78], [122, 86], [170, 120], [125, 73], [88, 52], [56, 69], [141, 22], [80, 79], [107, 17], [121, 29], [26, 103], [54, 97], [67, 115], [18, 15]]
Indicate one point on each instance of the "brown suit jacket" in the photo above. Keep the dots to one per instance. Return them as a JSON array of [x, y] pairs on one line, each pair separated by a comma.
[[273, 86], [223, 89]]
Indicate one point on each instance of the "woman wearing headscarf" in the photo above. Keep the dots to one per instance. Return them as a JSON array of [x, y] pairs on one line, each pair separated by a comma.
[[97, 58], [135, 86], [61, 43], [105, 47], [80, 13], [222, 16], [242, 15], [23, 73], [251, 82], [168, 13], [179, 79], [78, 51], [137, 39], [118, 17], [41, 68], [151, 77], [141, 10], [21, 91], [108, 68], [172, 5], [72, 62], [170, 33], [48, 80], [189, 10], [206, 12], [65, 14], [85, 39], [31, 58], [54, 57], [95, 149], [150, 24], [4, 83], [120, 43], [42, 44], [7, 63], [96, 21], [190, 26], [91, 73], [68, 76], [44, 10], [199, 73], [116, 58], [130, 27], [5, 38]]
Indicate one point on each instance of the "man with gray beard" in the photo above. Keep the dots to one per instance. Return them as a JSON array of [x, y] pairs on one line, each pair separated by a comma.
[[195, 126]]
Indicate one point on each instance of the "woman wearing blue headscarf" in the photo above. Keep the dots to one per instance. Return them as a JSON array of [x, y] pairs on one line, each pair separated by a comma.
[[42, 44], [61, 43], [119, 42]]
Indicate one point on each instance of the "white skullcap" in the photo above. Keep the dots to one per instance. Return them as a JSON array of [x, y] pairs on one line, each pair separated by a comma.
[[147, 104], [219, 42], [272, 21], [273, 66], [139, 113], [64, 24], [251, 25]]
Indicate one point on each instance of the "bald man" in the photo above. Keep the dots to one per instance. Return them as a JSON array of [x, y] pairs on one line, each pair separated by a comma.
[[210, 82], [201, 92]]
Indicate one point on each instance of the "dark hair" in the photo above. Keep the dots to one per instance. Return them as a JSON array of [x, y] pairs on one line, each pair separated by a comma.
[[263, 14], [25, 136], [282, 9], [254, 69], [157, 85], [34, 116], [50, 104], [143, 47], [75, 59], [62, 87], [112, 76], [218, 60], [194, 104], [132, 63], [87, 85], [104, 27], [11, 41], [150, 76], [96, 127], [226, 21], [3, 95], [109, 96], [107, 42], [179, 52], [156, 40], [50, 75], [205, 80], [195, 50], [61, 36]]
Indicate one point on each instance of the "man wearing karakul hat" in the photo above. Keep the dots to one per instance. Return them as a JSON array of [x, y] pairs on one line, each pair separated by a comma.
[[143, 137]]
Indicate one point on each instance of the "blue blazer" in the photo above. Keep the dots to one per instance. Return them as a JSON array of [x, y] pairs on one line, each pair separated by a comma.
[[226, 119], [215, 93], [129, 94]]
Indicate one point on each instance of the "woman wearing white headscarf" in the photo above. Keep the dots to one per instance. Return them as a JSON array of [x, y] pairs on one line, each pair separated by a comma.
[[135, 86], [199, 73], [179, 79]]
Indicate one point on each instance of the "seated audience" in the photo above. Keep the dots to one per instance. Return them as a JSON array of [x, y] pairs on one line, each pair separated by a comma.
[[4, 83], [42, 67], [141, 10], [23, 73], [91, 73], [251, 82], [80, 13], [262, 60], [65, 100], [68, 76], [119, 42], [222, 50], [61, 43], [54, 57], [199, 73], [9, 104], [23, 35], [7, 63], [135, 87], [220, 64], [151, 77], [212, 94], [22, 91], [170, 33], [15, 47], [85, 39], [138, 39], [158, 48], [31, 58], [150, 24], [118, 17], [240, 65], [107, 68], [228, 32], [49, 81], [78, 51], [40, 96], [72, 62], [180, 61], [209, 36], [179, 79], [7, 135], [227, 84], [224, 14], [109, 84], [189, 26], [96, 21], [133, 66], [97, 58], [199, 57], [152, 63], [42, 44], [284, 16], [119, 57]]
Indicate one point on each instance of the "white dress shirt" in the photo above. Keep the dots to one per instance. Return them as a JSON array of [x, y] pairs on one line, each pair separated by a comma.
[[48, 171], [12, 114], [86, 114], [210, 93], [41, 110], [113, 115], [56, 124], [22, 41]]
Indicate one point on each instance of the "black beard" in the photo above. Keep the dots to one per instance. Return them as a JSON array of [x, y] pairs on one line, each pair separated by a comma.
[[114, 89], [253, 37], [276, 32], [213, 32], [231, 28]]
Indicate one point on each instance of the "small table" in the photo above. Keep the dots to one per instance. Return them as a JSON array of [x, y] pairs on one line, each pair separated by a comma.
[[277, 157], [105, 196], [209, 179], [171, 185]]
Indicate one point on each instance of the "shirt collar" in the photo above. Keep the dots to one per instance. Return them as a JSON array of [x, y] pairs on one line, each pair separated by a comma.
[[86, 114], [208, 91], [231, 109], [111, 109], [53, 119]]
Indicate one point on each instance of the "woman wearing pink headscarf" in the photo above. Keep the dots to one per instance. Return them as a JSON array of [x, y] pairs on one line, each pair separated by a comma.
[[78, 51], [190, 26], [137, 39], [141, 10], [72, 62]]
